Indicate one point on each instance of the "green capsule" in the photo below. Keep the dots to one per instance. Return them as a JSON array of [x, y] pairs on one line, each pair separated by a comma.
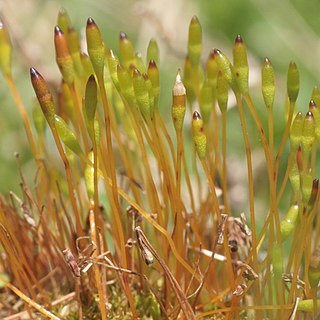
[[95, 47], [90, 100], [267, 83], [150, 94], [153, 52], [63, 20], [294, 177], [188, 81], [5, 50], [38, 119], [199, 138], [313, 107], [206, 101], [63, 56], [141, 94], [289, 223], [67, 136], [194, 41], [296, 132], [153, 74], [126, 85], [306, 187], [307, 305], [222, 92], [87, 65], [226, 69], [127, 51], [212, 70], [67, 102], [293, 82], [89, 175], [240, 65], [113, 61], [178, 109], [74, 47], [314, 269], [44, 95], [308, 134]]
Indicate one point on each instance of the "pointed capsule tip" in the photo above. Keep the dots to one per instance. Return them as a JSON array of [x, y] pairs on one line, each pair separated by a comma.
[[62, 11], [90, 22], [57, 31], [136, 72], [292, 65], [34, 72], [216, 52], [1, 24], [238, 39], [309, 114], [152, 64], [312, 104], [123, 36], [194, 19], [196, 115]]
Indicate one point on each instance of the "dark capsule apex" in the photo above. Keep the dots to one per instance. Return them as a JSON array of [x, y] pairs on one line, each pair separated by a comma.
[[90, 22], [309, 114], [267, 61], [194, 19], [152, 64], [123, 36], [312, 104], [196, 116], [238, 39], [216, 52], [145, 76], [34, 72], [292, 65], [136, 72], [57, 31]]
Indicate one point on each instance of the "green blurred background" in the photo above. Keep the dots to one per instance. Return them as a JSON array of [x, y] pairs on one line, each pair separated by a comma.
[[280, 30]]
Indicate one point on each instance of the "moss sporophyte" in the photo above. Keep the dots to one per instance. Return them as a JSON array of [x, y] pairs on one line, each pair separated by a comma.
[[131, 213]]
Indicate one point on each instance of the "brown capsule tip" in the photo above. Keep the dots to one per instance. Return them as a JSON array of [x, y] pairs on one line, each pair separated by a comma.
[[91, 78], [312, 104], [57, 31], [196, 116], [71, 30], [120, 67], [123, 36], [315, 184], [211, 54], [216, 52], [293, 65], [267, 62], [136, 73], [90, 22], [309, 114], [194, 19], [145, 76], [34, 73], [238, 39], [152, 64]]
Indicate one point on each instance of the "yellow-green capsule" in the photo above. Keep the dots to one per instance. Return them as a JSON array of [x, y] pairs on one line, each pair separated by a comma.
[[74, 47], [206, 101], [289, 223], [63, 56], [44, 95], [141, 94], [63, 20], [150, 94], [316, 115], [308, 134], [5, 51], [127, 51], [38, 118], [95, 47], [199, 137], [294, 177], [188, 80], [226, 69], [90, 100], [153, 52], [194, 41], [314, 269], [306, 187], [67, 136], [296, 132], [240, 65], [89, 176], [178, 109], [222, 92], [153, 74], [87, 65], [126, 85], [212, 73], [307, 305], [267, 83], [113, 61], [67, 103], [293, 82]]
